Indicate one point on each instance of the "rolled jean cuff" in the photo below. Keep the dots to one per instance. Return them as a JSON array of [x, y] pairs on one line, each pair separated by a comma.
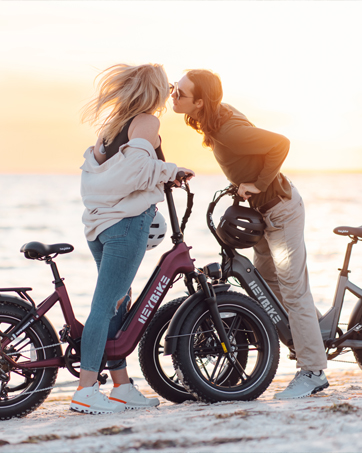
[[121, 364]]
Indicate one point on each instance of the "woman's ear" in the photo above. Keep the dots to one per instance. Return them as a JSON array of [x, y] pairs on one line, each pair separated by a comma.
[[199, 103]]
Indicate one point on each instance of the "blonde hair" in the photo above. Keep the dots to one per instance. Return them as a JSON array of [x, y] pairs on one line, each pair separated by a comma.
[[123, 92]]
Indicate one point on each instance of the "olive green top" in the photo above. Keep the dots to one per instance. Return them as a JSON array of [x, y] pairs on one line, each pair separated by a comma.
[[247, 154]]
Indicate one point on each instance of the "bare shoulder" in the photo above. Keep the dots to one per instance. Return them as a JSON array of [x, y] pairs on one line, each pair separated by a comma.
[[145, 120], [145, 126]]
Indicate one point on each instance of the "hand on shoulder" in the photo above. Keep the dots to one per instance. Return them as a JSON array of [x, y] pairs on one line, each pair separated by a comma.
[[145, 126], [100, 158]]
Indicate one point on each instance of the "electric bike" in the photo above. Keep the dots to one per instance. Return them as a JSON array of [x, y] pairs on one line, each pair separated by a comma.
[[166, 337], [31, 351]]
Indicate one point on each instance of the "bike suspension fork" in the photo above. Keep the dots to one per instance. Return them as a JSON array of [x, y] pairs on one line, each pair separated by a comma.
[[224, 339], [212, 304]]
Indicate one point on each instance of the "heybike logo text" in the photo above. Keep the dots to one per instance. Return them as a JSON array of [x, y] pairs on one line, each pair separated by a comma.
[[153, 299], [265, 302]]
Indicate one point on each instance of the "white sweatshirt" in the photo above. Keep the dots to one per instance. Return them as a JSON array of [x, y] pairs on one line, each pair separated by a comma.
[[124, 186]]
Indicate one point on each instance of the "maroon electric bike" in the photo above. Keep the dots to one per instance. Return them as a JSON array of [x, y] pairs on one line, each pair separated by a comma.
[[233, 349]]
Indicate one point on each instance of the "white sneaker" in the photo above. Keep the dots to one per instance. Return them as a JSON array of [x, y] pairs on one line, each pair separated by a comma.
[[131, 397], [91, 401], [304, 383]]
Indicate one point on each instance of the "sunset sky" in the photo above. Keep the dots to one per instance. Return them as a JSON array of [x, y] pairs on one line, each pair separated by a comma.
[[292, 67]]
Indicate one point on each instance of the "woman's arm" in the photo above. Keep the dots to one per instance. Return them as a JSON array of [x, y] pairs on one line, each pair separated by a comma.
[[143, 126], [242, 139], [147, 126], [142, 172]]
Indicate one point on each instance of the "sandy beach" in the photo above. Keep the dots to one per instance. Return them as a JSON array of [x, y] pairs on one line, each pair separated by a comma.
[[331, 421]]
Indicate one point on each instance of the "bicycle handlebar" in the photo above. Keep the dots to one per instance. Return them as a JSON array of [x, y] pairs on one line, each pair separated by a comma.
[[180, 175], [231, 190], [178, 231]]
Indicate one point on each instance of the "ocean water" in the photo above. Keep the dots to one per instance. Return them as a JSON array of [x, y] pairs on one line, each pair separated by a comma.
[[48, 208]]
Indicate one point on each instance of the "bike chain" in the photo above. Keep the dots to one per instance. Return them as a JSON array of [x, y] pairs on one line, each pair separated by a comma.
[[343, 361], [47, 388], [38, 349]]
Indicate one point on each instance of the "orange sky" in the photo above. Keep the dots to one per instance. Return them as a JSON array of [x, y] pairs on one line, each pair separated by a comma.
[[291, 67]]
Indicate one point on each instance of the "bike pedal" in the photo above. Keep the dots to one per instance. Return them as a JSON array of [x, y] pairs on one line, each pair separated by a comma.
[[102, 378]]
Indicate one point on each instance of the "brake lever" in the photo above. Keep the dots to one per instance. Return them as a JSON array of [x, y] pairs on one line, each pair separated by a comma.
[[181, 178]]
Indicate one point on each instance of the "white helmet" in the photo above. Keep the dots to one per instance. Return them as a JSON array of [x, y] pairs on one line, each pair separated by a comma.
[[157, 232]]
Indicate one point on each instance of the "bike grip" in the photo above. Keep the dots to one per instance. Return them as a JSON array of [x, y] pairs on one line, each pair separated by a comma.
[[180, 175]]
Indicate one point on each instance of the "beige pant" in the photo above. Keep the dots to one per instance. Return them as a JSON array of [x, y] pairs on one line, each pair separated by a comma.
[[281, 258]]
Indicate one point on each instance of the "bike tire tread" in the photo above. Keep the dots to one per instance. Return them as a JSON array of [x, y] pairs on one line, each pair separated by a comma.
[[197, 391], [8, 308]]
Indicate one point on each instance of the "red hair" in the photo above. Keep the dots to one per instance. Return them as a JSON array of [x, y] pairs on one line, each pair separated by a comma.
[[207, 86]]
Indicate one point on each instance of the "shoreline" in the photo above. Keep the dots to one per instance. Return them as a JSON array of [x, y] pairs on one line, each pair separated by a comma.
[[330, 421]]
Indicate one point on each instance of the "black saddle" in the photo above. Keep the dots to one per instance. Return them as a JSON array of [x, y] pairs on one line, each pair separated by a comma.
[[38, 250], [349, 231]]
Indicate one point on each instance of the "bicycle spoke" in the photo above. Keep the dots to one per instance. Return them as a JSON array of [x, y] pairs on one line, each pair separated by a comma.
[[215, 368], [22, 340], [203, 367], [232, 327], [221, 368], [239, 369]]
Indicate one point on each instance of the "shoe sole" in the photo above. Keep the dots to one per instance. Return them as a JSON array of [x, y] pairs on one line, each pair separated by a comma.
[[312, 392], [90, 411], [131, 408]]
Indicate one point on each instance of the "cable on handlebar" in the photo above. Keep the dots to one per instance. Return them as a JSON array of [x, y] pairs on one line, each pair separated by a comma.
[[230, 190], [190, 203]]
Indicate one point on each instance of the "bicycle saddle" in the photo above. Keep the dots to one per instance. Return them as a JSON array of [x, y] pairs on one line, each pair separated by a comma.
[[38, 250], [348, 231]]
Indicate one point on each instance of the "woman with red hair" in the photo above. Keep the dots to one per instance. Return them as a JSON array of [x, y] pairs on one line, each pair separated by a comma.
[[251, 159]]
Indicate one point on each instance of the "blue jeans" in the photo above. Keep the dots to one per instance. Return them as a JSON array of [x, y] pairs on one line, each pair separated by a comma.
[[118, 252]]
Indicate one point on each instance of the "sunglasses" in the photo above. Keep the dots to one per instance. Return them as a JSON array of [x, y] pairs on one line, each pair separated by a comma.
[[175, 89]]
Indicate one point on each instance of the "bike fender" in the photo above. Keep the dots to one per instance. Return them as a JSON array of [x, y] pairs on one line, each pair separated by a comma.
[[356, 315], [182, 313], [27, 306]]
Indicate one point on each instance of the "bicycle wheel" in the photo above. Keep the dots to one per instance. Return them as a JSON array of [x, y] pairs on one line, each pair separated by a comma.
[[357, 352], [203, 367], [21, 391], [158, 369]]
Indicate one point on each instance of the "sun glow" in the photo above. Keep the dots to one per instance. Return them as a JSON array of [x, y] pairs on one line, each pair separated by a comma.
[[291, 67]]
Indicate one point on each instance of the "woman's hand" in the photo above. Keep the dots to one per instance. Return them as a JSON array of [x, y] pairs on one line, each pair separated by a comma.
[[100, 158], [247, 187], [188, 173]]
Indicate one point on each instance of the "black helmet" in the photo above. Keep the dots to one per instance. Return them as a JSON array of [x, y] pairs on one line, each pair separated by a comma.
[[240, 227]]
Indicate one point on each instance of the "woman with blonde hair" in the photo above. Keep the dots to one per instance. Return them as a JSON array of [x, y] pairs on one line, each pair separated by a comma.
[[122, 180]]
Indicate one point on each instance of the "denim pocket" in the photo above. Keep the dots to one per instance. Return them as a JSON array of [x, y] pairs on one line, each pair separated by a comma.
[[146, 218], [151, 211], [119, 230]]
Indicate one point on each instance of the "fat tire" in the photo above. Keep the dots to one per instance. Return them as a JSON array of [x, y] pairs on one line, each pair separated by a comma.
[[149, 354], [185, 360], [22, 405], [358, 356], [357, 352]]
